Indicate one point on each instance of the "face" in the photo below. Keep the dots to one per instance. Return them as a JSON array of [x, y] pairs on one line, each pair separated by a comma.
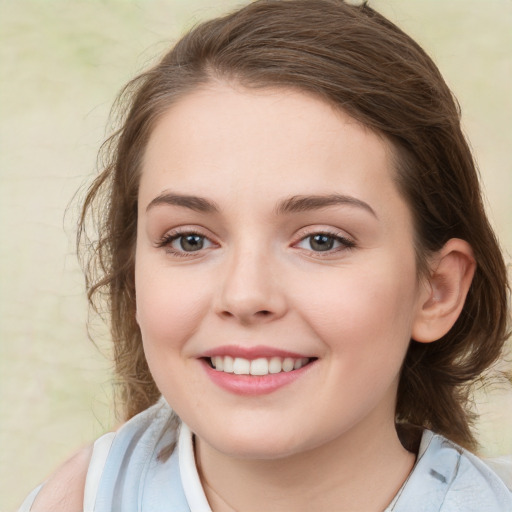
[[275, 271]]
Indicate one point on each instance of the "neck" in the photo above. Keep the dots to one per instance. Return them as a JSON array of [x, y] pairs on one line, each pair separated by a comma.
[[335, 476]]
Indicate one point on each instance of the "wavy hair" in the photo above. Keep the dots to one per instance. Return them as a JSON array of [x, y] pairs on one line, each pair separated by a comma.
[[355, 59]]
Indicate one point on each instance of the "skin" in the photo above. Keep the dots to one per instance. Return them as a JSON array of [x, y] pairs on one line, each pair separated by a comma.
[[64, 490], [257, 281]]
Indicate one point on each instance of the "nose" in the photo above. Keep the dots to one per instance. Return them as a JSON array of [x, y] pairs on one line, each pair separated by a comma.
[[251, 291]]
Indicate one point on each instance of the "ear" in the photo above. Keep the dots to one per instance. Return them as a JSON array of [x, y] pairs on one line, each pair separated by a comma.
[[445, 291]]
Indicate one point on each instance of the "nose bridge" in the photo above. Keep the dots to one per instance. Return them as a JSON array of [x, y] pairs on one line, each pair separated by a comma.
[[250, 290]]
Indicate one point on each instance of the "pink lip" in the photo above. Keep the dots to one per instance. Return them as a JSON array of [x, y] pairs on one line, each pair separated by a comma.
[[252, 385], [250, 352]]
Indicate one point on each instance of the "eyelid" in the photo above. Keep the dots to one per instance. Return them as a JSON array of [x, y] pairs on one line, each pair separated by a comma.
[[173, 234], [347, 241], [317, 229]]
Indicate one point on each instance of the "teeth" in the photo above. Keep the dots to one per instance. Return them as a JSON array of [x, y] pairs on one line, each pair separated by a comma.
[[260, 366], [241, 366], [299, 363], [228, 364], [288, 364], [275, 365]]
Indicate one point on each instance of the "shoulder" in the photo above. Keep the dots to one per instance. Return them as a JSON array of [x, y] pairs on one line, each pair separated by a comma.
[[469, 483], [476, 486], [140, 469], [447, 478], [64, 490], [125, 464]]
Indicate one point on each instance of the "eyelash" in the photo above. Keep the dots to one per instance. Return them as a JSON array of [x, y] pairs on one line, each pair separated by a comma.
[[345, 243], [167, 240]]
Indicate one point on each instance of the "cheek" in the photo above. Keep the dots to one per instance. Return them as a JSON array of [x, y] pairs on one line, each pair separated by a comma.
[[369, 309], [169, 304], [169, 308]]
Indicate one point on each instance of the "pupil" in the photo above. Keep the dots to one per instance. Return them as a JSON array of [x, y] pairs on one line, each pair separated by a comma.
[[321, 242], [191, 242]]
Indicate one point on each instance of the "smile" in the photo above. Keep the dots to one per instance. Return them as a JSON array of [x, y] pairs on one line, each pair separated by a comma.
[[258, 367], [253, 371]]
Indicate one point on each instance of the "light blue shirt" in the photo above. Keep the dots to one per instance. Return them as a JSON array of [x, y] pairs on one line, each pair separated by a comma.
[[126, 475]]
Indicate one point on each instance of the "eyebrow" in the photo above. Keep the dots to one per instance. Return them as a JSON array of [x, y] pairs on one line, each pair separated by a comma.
[[294, 204], [198, 204]]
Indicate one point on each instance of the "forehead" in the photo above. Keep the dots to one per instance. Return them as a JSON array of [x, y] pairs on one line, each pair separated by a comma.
[[257, 144]]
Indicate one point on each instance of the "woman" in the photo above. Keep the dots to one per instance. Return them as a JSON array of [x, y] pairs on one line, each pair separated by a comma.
[[297, 259]]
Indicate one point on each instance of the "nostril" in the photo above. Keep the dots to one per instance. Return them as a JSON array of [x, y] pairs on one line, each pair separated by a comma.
[[264, 312], [248, 316]]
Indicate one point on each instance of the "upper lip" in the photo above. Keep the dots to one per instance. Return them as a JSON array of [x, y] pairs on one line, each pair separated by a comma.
[[251, 352]]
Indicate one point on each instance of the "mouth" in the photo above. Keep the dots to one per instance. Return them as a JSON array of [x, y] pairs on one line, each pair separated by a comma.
[[255, 370], [260, 366]]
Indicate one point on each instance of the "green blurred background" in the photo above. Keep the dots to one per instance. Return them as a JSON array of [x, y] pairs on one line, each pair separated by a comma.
[[61, 65]]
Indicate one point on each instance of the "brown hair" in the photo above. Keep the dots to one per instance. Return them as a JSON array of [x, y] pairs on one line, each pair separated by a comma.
[[357, 60]]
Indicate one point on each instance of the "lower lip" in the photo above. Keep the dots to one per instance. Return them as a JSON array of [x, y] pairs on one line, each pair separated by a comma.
[[250, 385]]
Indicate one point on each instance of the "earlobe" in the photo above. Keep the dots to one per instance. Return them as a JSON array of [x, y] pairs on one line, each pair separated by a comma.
[[445, 291]]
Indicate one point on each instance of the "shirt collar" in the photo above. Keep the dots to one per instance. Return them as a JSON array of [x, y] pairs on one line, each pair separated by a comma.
[[190, 480]]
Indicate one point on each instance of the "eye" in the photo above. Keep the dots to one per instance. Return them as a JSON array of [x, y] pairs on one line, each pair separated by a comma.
[[184, 242], [189, 243], [324, 242]]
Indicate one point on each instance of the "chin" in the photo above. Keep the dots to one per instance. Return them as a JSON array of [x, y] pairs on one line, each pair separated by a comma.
[[257, 444]]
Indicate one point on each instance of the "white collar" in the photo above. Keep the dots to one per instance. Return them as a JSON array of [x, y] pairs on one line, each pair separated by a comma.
[[190, 481]]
